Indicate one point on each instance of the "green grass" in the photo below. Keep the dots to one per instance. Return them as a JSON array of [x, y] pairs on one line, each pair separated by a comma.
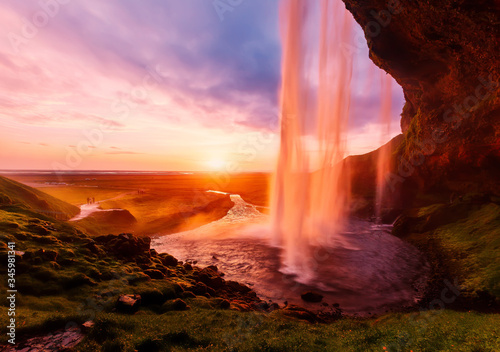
[[463, 238], [12, 192], [222, 330], [79, 286], [209, 330], [474, 244]]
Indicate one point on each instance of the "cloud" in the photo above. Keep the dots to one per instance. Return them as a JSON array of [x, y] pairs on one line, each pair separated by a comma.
[[165, 68]]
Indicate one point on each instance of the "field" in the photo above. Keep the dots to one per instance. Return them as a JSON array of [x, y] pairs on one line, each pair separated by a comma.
[[161, 204]]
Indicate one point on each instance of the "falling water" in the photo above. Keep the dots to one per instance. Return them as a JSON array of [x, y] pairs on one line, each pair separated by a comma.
[[384, 155], [311, 195], [367, 270]]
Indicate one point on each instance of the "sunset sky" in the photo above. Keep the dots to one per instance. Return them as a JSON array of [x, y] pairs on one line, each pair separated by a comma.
[[156, 85]]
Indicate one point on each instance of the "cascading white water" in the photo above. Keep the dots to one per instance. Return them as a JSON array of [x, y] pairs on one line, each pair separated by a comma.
[[310, 195]]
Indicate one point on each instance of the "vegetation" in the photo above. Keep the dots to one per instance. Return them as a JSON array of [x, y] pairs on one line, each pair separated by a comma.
[[462, 239], [17, 194], [63, 276], [201, 329]]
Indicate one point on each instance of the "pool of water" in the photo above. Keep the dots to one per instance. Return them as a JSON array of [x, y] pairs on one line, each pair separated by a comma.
[[367, 271]]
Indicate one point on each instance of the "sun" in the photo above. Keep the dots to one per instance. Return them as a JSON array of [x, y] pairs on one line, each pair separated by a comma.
[[216, 163]]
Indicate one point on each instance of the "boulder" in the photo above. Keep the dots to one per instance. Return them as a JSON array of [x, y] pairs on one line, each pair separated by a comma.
[[125, 245], [177, 305], [152, 296], [168, 260], [236, 287], [311, 296], [154, 274], [213, 281], [128, 303]]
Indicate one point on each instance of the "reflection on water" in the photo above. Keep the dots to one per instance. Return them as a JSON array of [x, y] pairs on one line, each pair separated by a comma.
[[366, 270]]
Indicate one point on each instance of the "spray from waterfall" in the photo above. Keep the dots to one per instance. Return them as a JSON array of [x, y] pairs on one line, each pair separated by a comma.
[[311, 195]]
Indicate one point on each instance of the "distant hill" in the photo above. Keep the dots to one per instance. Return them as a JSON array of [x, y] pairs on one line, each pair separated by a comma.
[[15, 193]]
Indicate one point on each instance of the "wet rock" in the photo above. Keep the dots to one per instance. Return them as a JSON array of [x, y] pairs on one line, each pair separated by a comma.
[[188, 267], [213, 268], [237, 287], [311, 296], [169, 260], [128, 303], [213, 281]]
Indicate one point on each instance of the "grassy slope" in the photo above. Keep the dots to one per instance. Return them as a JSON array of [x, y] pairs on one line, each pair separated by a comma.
[[462, 240], [12, 192], [79, 285]]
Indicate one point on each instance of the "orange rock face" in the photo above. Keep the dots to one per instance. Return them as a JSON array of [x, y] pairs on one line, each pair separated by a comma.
[[445, 56]]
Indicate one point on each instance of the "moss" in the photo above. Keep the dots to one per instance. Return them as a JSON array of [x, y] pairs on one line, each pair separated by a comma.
[[464, 237], [475, 241]]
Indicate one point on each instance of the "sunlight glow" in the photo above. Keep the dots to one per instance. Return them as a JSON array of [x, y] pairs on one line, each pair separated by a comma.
[[216, 163]]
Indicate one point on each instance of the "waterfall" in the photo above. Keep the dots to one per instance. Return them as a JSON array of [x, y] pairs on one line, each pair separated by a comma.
[[310, 198]]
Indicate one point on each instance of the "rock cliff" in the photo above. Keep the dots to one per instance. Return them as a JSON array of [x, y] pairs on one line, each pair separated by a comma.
[[445, 54]]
